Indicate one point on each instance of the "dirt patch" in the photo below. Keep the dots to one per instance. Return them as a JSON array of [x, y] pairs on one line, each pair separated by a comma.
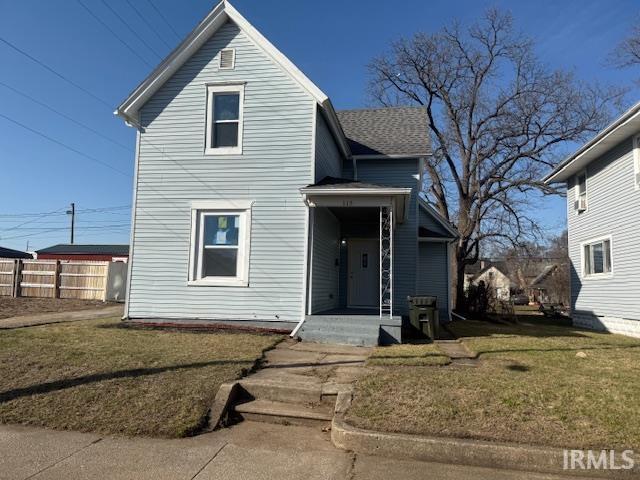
[[13, 307]]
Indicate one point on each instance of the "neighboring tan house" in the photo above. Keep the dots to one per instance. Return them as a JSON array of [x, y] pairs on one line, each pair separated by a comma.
[[91, 252], [257, 204], [11, 253], [493, 274], [603, 210]]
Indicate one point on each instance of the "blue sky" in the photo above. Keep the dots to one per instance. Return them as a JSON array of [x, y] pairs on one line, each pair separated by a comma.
[[331, 41]]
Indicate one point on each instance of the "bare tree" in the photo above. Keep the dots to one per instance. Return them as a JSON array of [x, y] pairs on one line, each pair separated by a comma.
[[498, 117], [627, 52]]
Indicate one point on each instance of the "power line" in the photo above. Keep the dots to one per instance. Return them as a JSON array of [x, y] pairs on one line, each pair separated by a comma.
[[17, 227], [148, 24], [62, 144], [57, 74], [63, 115], [164, 18], [105, 25], [126, 24]]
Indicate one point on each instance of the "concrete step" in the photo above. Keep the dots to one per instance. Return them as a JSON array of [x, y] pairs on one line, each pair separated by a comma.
[[286, 389], [285, 413], [364, 340]]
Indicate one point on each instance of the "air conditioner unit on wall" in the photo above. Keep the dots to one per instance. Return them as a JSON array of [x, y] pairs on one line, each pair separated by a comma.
[[581, 204]]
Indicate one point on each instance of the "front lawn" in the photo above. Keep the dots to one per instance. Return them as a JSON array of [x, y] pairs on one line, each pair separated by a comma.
[[96, 376], [536, 384], [408, 355]]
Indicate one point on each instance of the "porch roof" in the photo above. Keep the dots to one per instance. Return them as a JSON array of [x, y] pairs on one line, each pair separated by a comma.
[[335, 192]]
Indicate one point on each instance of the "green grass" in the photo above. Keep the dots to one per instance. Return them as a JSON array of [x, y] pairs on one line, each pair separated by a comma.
[[408, 355], [96, 376], [529, 387]]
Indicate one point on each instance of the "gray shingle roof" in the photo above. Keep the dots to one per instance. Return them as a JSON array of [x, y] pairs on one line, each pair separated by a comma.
[[87, 249], [334, 182], [11, 253], [386, 131]]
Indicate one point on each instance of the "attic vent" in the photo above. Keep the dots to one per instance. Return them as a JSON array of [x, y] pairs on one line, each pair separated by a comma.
[[227, 59]]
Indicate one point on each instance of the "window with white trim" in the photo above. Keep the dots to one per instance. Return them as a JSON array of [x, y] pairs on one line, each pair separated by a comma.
[[220, 244], [581, 191], [636, 161], [224, 119], [596, 257]]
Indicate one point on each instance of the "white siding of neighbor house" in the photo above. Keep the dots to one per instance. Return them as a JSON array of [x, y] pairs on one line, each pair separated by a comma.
[[433, 275], [399, 173], [328, 157], [173, 171], [613, 209], [326, 252]]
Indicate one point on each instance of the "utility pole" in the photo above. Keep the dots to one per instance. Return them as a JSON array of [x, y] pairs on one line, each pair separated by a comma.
[[72, 212]]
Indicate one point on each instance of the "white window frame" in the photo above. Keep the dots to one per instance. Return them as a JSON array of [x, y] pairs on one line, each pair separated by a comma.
[[595, 276], [212, 90], [199, 210], [636, 161], [577, 191]]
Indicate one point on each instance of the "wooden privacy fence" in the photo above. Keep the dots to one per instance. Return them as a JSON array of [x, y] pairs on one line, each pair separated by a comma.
[[54, 279]]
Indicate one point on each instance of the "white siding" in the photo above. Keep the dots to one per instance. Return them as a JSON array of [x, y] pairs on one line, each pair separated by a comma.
[[326, 251], [399, 173], [328, 158], [432, 275], [613, 209], [276, 162]]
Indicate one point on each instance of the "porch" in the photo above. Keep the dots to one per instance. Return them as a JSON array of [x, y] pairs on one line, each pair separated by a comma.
[[350, 262]]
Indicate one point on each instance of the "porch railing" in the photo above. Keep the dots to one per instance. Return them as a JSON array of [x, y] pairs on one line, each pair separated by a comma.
[[386, 262]]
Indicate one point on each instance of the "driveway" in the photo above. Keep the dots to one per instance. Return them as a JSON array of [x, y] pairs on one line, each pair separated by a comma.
[[246, 451]]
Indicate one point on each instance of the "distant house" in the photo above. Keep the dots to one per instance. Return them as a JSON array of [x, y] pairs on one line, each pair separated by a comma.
[[94, 252], [603, 195], [494, 274], [11, 253]]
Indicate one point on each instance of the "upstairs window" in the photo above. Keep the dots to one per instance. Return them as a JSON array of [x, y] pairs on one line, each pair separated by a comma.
[[597, 258], [224, 119], [581, 192]]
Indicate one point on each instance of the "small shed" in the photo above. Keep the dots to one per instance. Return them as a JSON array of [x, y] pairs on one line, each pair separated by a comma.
[[91, 252]]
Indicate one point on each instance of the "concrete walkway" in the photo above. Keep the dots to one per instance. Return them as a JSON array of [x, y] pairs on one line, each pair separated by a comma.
[[59, 317], [246, 451]]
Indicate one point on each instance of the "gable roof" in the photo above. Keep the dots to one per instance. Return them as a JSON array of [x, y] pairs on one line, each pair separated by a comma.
[[215, 19], [622, 127], [389, 131], [87, 249], [448, 227], [11, 253]]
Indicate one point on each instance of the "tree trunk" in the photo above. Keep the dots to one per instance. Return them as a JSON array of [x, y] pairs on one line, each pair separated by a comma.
[[460, 303]]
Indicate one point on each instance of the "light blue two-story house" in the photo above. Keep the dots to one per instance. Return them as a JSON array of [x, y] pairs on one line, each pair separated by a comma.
[[603, 216], [257, 204]]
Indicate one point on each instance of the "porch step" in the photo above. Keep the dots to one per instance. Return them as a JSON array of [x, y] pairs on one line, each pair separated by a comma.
[[351, 338], [287, 388], [285, 413]]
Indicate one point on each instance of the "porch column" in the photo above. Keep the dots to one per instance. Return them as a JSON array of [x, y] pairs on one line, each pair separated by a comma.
[[386, 262]]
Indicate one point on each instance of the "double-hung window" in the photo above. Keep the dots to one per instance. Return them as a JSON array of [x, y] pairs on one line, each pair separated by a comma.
[[581, 191], [220, 235], [597, 258], [224, 119]]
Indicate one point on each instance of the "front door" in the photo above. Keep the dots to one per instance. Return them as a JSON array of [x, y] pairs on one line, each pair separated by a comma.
[[364, 276]]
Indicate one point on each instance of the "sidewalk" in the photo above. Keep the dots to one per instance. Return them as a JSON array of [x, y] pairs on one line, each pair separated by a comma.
[[59, 317], [244, 452]]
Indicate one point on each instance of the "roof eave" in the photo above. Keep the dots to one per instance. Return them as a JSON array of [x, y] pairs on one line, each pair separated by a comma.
[[562, 171], [443, 221]]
